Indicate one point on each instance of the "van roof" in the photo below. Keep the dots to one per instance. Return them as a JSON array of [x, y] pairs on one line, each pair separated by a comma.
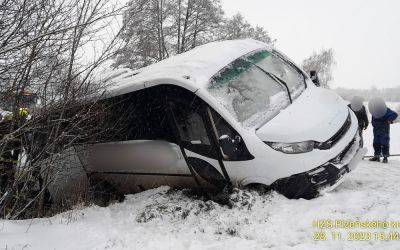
[[194, 67]]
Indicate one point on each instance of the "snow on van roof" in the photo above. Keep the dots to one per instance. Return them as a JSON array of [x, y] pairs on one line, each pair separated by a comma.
[[195, 67]]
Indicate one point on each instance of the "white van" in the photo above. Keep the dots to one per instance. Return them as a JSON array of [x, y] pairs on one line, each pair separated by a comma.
[[226, 113]]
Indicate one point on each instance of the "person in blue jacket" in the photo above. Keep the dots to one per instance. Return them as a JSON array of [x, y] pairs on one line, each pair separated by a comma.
[[382, 117]]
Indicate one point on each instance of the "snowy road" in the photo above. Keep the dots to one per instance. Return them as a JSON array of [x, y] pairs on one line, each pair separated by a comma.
[[162, 219]]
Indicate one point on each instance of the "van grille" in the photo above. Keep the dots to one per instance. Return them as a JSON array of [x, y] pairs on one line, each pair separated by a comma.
[[336, 137]]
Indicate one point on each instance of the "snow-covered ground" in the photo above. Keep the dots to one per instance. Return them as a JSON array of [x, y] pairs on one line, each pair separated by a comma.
[[168, 219], [165, 219]]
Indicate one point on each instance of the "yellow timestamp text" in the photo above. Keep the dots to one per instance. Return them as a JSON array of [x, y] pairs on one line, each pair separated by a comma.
[[356, 236]]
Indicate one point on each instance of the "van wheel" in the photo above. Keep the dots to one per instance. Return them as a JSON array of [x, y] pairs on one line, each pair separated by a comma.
[[259, 188]]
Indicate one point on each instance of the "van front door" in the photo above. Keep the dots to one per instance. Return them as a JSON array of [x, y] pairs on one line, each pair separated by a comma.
[[199, 145]]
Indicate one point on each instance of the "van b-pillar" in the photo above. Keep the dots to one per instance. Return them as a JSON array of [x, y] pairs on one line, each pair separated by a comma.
[[174, 126]]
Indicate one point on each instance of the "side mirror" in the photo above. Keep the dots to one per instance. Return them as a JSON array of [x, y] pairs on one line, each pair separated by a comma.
[[230, 146], [314, 78]]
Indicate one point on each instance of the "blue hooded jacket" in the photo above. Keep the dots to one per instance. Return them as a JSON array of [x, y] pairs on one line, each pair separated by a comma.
[[382, 127]]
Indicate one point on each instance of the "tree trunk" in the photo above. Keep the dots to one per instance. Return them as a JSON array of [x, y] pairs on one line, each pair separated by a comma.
[[196, 30], [178, 44], [185, 26], [159, 27]]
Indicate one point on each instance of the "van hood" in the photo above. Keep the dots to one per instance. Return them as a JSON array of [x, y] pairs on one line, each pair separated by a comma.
[[315, 115]]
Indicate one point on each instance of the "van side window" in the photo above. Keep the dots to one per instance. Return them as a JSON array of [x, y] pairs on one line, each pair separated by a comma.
[[222, 126], [191, 125], [139, 115], [223, 129], [192, 130]]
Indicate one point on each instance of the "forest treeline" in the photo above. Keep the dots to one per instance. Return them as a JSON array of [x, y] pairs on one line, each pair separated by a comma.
[[388, 94]]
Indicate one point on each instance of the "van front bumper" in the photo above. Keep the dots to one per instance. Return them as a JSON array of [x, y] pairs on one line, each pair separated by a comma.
[[312, 183]]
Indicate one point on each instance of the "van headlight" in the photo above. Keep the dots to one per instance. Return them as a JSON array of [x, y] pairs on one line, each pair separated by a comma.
[[292, 148]]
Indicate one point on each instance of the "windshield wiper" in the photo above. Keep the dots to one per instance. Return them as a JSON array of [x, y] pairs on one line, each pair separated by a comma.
[[276, 53], [276, 78]]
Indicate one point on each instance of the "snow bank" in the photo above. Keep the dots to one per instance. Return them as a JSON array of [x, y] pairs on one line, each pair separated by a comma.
[[166, 219]]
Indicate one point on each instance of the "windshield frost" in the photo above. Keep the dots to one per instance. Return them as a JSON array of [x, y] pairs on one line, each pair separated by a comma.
[[275, 65], [249, 94]]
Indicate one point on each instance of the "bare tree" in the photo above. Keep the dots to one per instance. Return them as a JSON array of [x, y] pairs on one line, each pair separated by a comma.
[[42, 43], [238, 27], [146, 25], [201, 21], [156, 29], [322, 62]]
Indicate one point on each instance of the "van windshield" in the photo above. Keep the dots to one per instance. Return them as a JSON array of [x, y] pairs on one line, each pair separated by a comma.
[[252, 95]]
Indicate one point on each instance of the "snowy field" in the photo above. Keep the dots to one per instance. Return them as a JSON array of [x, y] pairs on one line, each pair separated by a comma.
[[168, 219]]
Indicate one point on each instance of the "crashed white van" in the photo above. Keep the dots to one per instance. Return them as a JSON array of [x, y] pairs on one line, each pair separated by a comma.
[[226, 113]]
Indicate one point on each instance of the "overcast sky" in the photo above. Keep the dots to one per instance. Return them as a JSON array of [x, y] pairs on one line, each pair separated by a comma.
[[365, 34]]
